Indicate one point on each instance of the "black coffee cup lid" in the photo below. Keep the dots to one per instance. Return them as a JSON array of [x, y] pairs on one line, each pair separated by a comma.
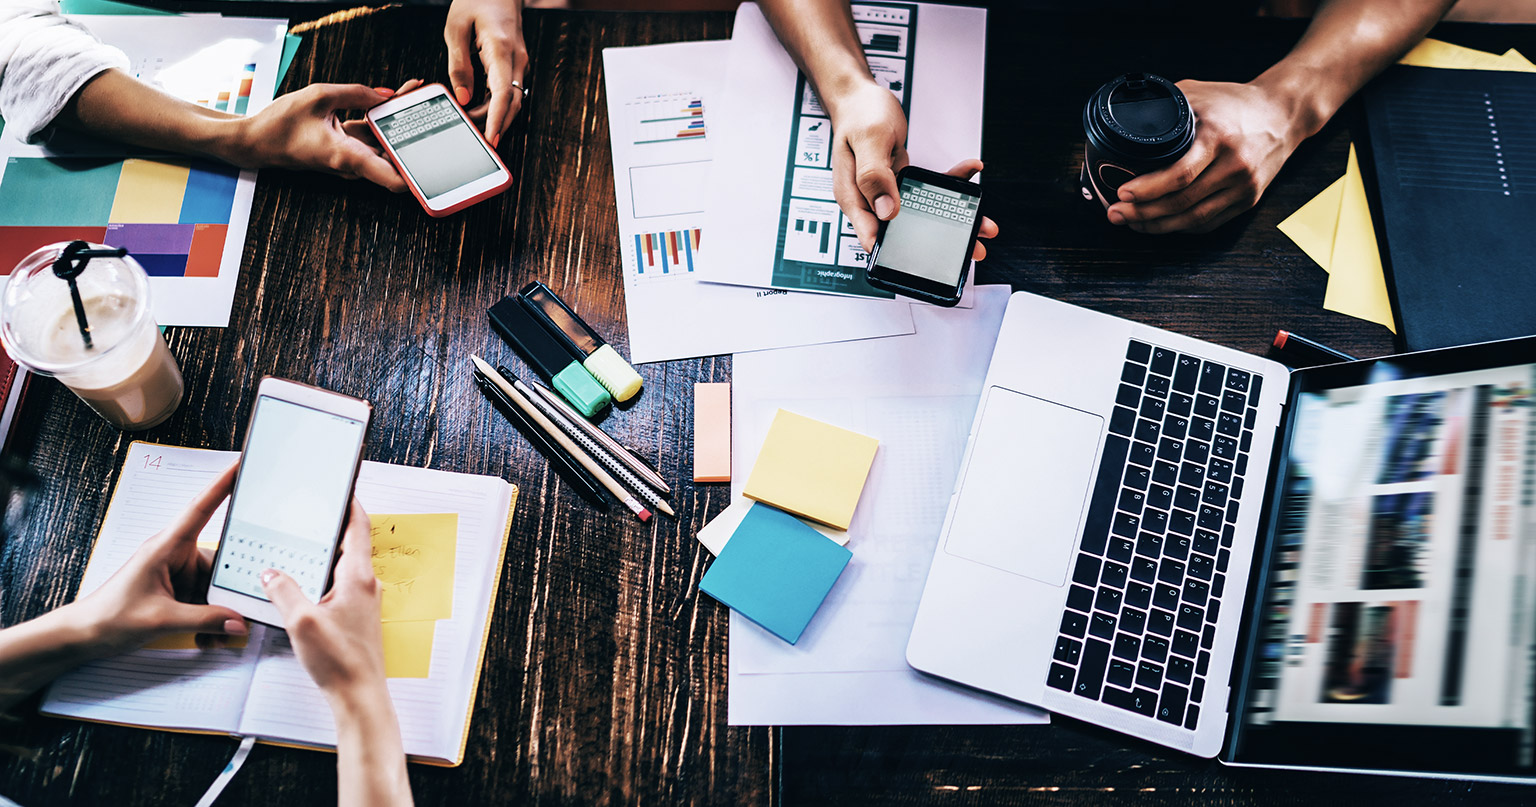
[[1142, 114]]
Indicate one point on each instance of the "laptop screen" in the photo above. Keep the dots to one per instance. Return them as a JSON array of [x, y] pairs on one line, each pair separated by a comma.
[[1397, 625]]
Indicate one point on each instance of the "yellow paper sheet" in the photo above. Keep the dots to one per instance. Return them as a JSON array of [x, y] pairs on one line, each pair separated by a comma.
[[408, 649], [1315, 224], [413, 557], [1357, 284], [812, 469], [1435, 53]]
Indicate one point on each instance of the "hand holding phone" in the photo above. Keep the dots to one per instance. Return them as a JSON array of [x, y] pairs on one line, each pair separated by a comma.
[[302, 453], [443, 158], [924, 251]]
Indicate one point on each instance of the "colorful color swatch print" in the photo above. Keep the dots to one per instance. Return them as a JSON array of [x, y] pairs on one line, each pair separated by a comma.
[[666, 253], [172, 215]]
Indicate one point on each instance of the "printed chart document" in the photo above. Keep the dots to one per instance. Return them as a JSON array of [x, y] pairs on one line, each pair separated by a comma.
[[182, 218], [917, 395], [258, 687], [771, 193], [661, 102]]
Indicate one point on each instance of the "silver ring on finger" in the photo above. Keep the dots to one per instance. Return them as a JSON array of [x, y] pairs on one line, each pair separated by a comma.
[[519, 85]]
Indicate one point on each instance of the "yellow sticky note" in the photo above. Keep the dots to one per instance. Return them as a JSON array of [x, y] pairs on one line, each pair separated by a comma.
[[1357, 284], [408, 649], [188, 641], [812, 469], [413, 559], [1444, 55], [1314, 225], [150, 192]]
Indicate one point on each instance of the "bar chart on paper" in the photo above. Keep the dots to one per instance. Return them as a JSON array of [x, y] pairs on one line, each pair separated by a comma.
[[667, 118], [666, 253], [172, 215]]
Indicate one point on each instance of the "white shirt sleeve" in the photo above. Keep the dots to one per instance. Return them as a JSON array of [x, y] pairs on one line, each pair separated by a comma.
[[44, 60]]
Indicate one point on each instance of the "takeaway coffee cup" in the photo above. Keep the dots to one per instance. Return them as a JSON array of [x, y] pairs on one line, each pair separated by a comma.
[[1135, 124], [81, 312]]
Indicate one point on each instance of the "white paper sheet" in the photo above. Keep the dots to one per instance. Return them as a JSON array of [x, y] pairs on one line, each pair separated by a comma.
[[193, 58], [659, 172], [917, 394], [748, 205]]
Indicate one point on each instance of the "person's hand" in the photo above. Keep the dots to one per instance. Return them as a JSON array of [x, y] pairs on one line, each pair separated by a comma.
[[304, 130], [491, 30], [1244, 133], [870, 131], [163, 587], [339, 640]]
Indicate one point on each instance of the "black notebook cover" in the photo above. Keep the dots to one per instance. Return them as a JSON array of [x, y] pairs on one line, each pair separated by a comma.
[[1454, 153]]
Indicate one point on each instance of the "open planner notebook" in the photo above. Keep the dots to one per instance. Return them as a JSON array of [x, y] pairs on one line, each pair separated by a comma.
[[260, 689]]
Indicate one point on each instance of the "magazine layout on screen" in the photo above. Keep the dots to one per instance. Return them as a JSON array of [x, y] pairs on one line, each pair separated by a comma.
[[1402, 583]]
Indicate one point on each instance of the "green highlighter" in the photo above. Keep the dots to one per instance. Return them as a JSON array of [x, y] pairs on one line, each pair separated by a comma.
[[547, 357]]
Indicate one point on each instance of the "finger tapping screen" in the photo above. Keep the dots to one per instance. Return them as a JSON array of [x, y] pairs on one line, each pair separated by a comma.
[[291, 497], [436, 146], [931, 233], [1404, 561]]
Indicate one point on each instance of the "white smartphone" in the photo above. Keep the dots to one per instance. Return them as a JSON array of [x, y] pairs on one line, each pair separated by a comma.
[[292, 494], [442, 156]]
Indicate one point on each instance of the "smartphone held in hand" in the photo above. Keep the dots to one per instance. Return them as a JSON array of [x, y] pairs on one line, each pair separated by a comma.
[[292, 494], [441, 155], [924, 251]]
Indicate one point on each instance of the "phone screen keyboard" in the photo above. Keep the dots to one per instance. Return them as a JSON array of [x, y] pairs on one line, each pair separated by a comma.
[[242, 559], [943, 204], [1149, 578]]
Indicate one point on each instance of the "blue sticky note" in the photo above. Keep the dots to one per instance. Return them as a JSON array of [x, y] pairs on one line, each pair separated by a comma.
[[776, 571]]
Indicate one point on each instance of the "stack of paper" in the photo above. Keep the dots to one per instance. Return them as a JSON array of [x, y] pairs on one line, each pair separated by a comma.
[[1335, 228], [703, 155]]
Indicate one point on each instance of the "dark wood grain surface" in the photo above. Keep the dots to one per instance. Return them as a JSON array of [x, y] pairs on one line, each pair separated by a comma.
[[605, 678]]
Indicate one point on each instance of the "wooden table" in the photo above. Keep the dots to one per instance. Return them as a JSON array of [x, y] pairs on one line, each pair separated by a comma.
[[606, 673]]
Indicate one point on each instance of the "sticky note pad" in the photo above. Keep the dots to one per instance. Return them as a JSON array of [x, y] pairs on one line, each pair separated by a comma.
[[812, 469], [775, 571], [711, 432], [413, 558], [719, 530], [408, 649]]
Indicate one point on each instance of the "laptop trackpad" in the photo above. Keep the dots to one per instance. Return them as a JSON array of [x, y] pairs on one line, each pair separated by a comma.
[[1023, 492]]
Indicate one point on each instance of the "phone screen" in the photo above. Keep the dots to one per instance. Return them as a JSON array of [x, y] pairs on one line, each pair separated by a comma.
[[290, 499], [930, 237], [436, 146]]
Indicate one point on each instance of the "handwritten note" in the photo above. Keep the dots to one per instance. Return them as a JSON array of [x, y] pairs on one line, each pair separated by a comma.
[[413, 559]]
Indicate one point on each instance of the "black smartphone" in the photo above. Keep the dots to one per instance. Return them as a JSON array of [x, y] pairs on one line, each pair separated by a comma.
[[924, 251]]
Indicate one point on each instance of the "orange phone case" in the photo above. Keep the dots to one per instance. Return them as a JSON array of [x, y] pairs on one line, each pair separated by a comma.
[[415, 191]]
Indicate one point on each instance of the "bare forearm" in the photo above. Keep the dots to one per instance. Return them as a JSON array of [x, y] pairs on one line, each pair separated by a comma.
[[1347, 44], [820, 36], [116, 106], [370, 759], [34, 653]]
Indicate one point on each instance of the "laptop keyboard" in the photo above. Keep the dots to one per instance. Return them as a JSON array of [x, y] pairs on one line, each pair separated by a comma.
[[1147, 584]]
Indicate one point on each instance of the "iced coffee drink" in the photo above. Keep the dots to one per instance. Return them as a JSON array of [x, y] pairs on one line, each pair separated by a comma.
[[100, 339]]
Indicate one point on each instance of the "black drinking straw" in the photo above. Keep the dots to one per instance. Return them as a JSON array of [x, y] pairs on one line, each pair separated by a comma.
[[70, 264]]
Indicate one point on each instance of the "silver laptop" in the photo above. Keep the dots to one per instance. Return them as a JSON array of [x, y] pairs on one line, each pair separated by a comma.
[[1116, 497]]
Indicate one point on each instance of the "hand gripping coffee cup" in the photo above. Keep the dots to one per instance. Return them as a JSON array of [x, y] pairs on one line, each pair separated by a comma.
[[1136, 124], [81, 312]]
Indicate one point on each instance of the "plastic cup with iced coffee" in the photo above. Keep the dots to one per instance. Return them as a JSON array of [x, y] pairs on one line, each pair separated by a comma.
[[96, 334]]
